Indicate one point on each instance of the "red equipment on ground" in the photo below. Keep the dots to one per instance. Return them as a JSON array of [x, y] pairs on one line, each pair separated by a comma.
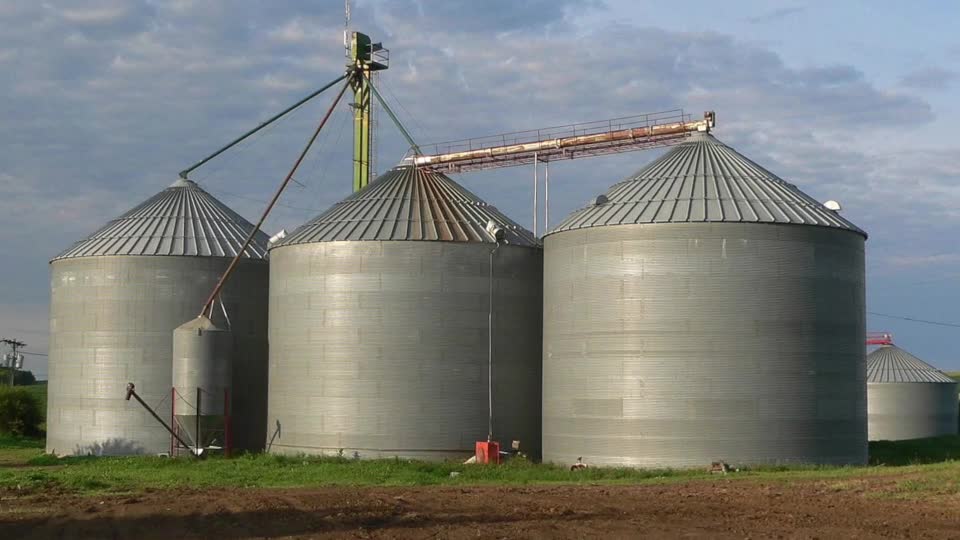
[[488, 452]]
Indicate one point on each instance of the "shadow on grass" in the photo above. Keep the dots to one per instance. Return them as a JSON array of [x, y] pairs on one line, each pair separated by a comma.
[[915, 451]]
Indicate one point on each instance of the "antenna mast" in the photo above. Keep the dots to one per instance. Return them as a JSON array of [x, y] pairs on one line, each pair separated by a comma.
[[346, 28]]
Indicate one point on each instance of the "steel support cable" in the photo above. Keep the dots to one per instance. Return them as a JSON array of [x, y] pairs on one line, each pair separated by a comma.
[[162, 401], [393, 116], [312, 165], [418, 125], [254, 199], [185, 401], [911, 319], [208, 305], [212, 172], [281, 114]]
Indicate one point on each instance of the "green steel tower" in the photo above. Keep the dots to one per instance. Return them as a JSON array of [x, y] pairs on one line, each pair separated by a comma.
[[366, 57]]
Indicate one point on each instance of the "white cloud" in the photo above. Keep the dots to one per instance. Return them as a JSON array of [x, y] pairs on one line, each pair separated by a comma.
[[293, 31], [96, 127], [96, 15], [271, 81]]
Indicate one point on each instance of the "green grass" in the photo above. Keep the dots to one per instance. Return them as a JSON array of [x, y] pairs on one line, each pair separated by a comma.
[[913, 467], [123, 474], [17, 451]]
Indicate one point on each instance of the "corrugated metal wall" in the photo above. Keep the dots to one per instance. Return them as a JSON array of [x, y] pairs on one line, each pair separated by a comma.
[[682, 344], [112, 321], [897, 411], [202, 362], [380, 348]]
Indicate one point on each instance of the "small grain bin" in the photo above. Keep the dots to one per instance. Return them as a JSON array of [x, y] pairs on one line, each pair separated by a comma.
[[379, 325], [701, 310], [908, 398], [116, 298], [202, 369]]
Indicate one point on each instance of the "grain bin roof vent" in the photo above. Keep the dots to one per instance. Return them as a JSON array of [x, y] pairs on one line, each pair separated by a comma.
[[409, 203], [703, 180], [181, 220], [891, 364]]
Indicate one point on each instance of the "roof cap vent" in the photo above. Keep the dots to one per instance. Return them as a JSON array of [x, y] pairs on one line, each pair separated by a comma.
[[183, 182], [599, 200], [278, 237]]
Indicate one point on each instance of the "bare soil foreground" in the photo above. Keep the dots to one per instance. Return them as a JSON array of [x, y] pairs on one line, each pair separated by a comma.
[[721, 508]]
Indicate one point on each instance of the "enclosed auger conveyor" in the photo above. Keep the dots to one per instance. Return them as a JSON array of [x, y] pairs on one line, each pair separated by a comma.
[[208, 386]]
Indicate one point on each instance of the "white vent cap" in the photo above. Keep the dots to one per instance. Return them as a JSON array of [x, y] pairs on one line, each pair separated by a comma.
[[279, 236]]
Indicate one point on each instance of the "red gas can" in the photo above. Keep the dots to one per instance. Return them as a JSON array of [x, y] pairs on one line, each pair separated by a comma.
[[488, 452]]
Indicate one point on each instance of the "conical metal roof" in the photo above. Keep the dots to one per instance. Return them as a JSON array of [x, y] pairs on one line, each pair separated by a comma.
[[703, 180], [891, 364], [180, 220], [408, 203]]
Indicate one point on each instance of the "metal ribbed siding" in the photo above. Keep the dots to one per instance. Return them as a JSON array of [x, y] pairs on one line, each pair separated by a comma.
[[898, 411], [202, 354], [704, 180], [411, 204], [682, 344], [891, 364], [380, 348], [180, 220], [202, 360], [112, 322], [908, 398], [117, 296]]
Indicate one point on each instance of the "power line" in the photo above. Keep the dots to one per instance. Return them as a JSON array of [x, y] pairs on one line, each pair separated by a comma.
[[911, 319], [412, 117], [255, 199]]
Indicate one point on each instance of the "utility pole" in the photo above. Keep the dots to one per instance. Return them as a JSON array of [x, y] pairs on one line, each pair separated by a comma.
[[13, 360]]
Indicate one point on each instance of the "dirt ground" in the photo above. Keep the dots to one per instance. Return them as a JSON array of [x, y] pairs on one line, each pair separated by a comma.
[[705, 509]]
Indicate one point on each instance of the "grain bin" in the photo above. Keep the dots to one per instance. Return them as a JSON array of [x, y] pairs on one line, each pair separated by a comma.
[[701, 310], [908, 398], [378, 325], [202, 367], [116, 298]]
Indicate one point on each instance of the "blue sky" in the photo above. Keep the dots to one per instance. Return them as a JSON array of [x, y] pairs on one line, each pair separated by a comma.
[[105, 100]]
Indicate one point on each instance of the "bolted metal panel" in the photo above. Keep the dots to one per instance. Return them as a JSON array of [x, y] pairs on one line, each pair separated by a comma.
[[380, 348], [202, 354], [908, 398], [703, 180], [911, 410], [111, 322], [891, 364], [180, 220], [407, 203], [681, 344]]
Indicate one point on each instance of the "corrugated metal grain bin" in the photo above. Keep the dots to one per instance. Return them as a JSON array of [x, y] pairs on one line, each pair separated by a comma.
[[703, 310], [908, 398], [202, 369], [116, 298], [378, 325]]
